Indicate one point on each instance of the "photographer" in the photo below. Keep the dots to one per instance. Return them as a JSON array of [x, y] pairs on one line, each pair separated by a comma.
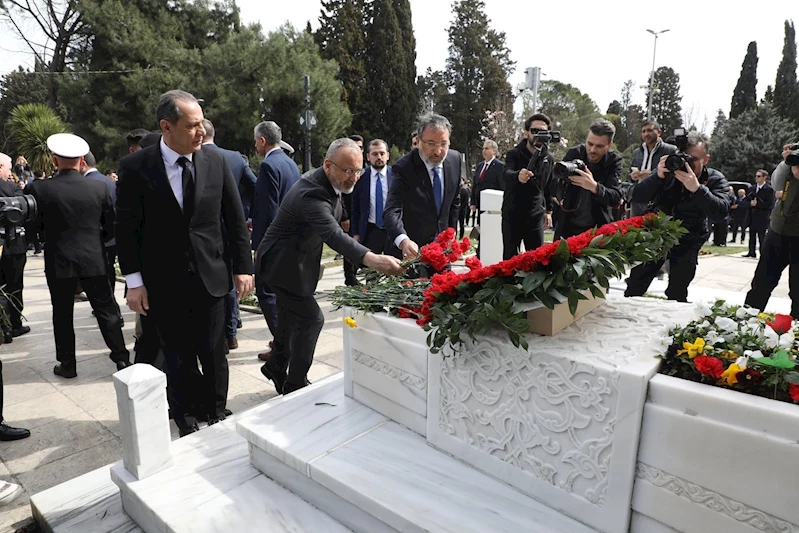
[[12, 261], [527, 203], [781, 245], [692, 193], [591, 184]]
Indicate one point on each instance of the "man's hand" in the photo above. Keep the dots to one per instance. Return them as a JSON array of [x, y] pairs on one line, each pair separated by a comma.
[[249, 225], [244, 284], [385, 264], [734, 206], [525, 175], [473, 208], [137, 300], [687, 178], [345, 225], [409, 249], [778, 195], [786, 151], [753, 203], [585, 180], [547, 220], [662, 170], [357, 238], [639, 175]]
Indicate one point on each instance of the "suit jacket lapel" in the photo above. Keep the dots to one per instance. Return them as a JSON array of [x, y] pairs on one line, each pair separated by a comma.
[[159, 177], [201, 164], [423, 174]]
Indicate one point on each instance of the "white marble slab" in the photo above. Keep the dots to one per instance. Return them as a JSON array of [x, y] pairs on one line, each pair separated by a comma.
[[87, 503], [297, 432], [491, 200], [394, 411], [143, 419], [561, 420], [721, 459], [391, 473], [643, 524]]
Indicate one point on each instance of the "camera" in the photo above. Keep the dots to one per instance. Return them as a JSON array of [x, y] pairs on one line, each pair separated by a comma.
[[564, 169], [793, 158], [677, 160], [15, 212], [546, 137]]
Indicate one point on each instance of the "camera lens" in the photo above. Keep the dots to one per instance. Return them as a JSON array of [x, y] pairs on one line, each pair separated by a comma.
[[793, 159]]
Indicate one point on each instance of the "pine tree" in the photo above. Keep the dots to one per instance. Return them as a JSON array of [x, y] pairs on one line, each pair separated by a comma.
[[745, 94], [666, 108], [718, 126], [768, 98], [786, 89], [477, 70], [342, 36]]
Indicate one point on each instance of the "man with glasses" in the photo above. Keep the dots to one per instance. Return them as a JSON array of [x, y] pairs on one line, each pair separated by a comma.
[[289, 259], [692, 195], [760, 200], [527, 204], [424, 194]]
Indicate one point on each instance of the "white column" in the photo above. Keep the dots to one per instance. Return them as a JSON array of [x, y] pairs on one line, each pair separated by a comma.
[[144, 421], [491, 226]]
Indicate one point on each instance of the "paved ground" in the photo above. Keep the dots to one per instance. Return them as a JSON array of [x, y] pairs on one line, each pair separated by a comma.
[[74, 422]]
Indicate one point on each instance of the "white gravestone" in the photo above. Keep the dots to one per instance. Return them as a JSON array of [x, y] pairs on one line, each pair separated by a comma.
[[143, 419]]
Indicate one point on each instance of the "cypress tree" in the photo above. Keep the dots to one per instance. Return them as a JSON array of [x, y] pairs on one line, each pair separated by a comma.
[[407, 107], [786, 89], [666, 106], [745, 94]]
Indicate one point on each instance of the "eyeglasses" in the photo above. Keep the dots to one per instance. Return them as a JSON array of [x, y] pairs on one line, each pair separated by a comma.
[[433, 144], [350, 172]]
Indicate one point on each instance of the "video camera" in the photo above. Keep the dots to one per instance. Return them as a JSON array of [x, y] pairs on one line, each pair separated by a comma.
[[793, 158], [15, 212], [546, 137]]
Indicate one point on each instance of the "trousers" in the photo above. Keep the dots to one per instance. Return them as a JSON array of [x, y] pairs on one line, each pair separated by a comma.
[[682, 269], [301, 322], [776, 253]]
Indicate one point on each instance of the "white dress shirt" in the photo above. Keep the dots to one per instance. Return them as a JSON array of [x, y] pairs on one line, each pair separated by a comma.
[[174, 173], [430, 168], [372, 187]]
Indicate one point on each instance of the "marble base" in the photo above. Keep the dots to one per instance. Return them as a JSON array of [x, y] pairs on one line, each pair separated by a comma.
[[386, 358], [491, 246], [712, 459], [561, 420], [389, 474]]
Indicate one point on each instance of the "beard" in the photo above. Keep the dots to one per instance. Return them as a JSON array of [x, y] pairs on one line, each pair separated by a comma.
[[379, 165]]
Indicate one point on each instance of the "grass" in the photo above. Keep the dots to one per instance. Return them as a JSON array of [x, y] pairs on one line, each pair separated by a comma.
[[724, 250]]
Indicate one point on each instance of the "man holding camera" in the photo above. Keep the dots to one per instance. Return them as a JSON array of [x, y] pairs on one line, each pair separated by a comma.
[[685, 188], [590, 177], [781, 245], [645, 158], [527, 204]]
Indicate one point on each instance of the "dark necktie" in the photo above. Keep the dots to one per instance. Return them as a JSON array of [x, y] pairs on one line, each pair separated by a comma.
[[483, 172], [379, 202], [188, 187], [338, 210], [438, 190]]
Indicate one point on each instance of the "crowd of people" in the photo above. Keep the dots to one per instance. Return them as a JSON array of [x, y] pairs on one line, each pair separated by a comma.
[[194, 230]]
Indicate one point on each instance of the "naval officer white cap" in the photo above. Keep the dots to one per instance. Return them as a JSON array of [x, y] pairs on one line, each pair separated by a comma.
[[67, 145]]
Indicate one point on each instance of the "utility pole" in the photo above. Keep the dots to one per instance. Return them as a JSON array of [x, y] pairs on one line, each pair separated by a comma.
[[308, 126], [652, 75], [532, 81]]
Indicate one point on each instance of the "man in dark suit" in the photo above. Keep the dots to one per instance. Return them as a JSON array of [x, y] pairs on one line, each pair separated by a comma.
[[369, 199], [245, 180], [78, 217], [424, 196], [181, 236], [89, 170], [487, 175], [289, 259], [278, 174], [761, 199]]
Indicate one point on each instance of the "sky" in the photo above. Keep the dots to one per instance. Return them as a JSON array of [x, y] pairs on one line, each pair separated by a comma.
[[594, 46]]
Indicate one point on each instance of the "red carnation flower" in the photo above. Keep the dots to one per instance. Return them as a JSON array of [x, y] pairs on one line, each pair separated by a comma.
[[709, 366], [781, 324], [793, 390], [445, 237], [474, 263]]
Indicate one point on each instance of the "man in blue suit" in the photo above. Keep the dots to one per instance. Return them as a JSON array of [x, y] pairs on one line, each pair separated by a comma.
[[278, 173], [369, 199], [245, 180]]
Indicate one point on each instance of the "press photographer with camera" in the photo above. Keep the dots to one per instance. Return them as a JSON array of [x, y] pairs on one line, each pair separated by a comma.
[[589, 182], [685, 188], [780, 248], [527, 203]]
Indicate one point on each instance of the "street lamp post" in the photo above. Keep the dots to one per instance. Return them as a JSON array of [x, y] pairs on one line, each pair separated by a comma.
[[652, 75]]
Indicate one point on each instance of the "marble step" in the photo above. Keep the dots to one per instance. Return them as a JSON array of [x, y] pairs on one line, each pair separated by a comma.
[[374, 475], [212, 487]]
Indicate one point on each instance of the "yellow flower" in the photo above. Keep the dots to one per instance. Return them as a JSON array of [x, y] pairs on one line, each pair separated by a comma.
[[763, 316], [350, 322], [693, 349], [728, 354], [730, 376]]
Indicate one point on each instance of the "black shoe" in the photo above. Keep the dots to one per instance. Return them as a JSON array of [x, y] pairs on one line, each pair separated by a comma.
[[275, 375], [7, 337], [188, 429], [9, 433], [228, 413], [66, 370], [239, 325], [214, 420], [289, 387], [22, 330], [749, 255], [121, 365]]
